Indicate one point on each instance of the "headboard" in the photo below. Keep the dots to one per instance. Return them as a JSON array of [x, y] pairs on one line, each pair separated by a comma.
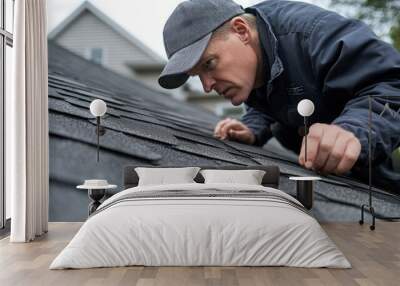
[[270, 179]]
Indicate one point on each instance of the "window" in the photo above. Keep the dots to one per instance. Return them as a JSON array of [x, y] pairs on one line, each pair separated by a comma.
[[96, 55], [6, 43]]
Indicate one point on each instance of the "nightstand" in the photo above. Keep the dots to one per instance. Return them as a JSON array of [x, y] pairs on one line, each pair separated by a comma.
[[96, 191], [305, 190]]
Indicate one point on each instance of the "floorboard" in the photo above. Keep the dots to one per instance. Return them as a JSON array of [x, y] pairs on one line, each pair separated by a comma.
[[374, 255]]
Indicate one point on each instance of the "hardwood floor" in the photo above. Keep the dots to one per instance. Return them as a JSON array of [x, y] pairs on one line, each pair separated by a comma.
[[374, 255]]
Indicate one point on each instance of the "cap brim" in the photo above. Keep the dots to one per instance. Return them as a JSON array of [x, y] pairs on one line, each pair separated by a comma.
[[174, 73]]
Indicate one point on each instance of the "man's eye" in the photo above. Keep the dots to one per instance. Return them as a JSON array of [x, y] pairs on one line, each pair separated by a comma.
[[210, 64]]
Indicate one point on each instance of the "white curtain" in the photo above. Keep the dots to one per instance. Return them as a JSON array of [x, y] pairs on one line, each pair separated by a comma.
[[27, 171]]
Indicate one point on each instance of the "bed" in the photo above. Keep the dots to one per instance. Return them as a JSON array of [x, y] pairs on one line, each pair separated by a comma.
[[201, 224]]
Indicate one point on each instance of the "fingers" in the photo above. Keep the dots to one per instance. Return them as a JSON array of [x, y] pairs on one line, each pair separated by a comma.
[[222, 131], [336, 154], [313, 139], [230, 126], [218, 127], [330, 149], [234, 129], [301, 155], [350, 156], [245, 136], [326, 145]]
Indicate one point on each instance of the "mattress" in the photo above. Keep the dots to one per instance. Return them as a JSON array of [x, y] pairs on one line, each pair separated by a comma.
[[201, 225]]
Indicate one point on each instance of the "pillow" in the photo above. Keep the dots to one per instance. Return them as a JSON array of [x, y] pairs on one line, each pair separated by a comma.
[[248, 177], [163, 176]]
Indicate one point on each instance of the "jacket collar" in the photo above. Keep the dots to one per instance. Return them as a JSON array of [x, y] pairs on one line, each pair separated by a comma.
[[269, 46]]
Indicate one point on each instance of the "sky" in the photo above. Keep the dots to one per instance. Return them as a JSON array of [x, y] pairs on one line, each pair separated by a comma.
[[143, 19]]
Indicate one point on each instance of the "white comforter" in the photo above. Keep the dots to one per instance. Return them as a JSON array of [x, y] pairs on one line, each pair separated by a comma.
[[168, 231]]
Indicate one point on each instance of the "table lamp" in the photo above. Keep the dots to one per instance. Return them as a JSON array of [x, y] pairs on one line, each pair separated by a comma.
[[305, 108], [98, 108], [305, 192]]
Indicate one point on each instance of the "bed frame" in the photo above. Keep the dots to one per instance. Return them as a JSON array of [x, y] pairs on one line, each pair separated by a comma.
[[270, 179]]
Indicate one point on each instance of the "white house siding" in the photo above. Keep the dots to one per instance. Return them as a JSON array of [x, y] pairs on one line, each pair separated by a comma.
[[87, 31]]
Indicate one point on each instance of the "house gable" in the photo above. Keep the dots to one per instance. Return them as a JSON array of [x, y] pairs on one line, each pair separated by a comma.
[[88, 28]]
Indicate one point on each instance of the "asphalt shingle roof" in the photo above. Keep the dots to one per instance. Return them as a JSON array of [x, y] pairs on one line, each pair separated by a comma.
[[146, 127]]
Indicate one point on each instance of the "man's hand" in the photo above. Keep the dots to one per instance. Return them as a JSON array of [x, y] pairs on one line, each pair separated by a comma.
[[330, 149], [233, 129]]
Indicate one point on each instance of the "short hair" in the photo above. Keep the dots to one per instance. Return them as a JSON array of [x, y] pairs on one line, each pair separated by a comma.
[[223, 30]]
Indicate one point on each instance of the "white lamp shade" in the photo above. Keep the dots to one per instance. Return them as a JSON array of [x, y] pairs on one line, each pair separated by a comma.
[[98, 107], [305, 107]]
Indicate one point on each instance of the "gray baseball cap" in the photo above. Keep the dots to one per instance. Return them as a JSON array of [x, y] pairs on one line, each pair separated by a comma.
[[187, 33]]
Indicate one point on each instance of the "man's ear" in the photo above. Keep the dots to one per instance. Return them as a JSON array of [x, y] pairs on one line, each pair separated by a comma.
[[240, 27]]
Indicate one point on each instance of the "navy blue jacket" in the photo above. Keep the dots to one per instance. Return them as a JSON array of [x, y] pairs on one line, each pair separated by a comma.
[[337, 63]]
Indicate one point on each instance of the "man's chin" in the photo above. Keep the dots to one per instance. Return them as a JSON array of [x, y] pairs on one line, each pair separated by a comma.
[[236, 101]]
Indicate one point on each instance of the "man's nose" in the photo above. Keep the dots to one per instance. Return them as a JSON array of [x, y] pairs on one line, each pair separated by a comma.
[[208, 83]]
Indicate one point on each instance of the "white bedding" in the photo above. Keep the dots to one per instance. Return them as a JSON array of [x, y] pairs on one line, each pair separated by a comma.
[[189, 230]]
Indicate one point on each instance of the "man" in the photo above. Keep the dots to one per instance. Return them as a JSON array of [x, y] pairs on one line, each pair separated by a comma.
[[276, 53]]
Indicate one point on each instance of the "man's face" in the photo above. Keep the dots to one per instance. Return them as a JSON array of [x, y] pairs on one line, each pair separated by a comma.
[[228, 66]]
